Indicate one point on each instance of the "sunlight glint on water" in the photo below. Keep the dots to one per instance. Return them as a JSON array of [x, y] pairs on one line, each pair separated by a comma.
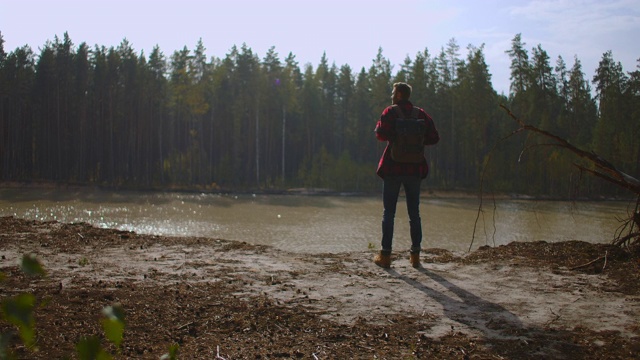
[[317, 223]]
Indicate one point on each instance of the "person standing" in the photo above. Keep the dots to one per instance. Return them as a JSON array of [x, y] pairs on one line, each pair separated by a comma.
[[400, 172]]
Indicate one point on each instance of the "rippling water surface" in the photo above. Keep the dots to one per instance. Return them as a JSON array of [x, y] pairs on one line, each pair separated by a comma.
[[318, 223]]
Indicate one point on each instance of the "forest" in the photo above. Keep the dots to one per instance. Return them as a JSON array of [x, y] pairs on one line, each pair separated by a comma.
[[113, 117]]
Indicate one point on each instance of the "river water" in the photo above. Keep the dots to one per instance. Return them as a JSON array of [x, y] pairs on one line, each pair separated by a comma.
[[315, 224]]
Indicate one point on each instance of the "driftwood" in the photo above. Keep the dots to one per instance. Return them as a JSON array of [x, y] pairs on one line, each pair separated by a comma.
[[629, 231]]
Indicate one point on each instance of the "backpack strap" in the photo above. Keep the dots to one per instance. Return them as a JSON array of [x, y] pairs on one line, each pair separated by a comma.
[[414, 113], [398, 111]]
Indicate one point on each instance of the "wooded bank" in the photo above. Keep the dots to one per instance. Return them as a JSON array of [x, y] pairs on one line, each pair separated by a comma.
[[115, 117]]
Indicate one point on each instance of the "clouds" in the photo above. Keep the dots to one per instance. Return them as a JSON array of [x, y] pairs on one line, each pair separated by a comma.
[[586, 28], [567, 28], [580, 20]]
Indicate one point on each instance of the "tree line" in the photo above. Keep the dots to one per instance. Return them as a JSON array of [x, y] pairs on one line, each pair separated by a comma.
[[118, 118]]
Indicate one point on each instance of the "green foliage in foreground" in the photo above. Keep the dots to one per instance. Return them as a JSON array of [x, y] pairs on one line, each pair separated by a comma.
[[19, 311]]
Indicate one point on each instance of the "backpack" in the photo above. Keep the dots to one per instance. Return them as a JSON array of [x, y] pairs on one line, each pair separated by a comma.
[[408, 146]]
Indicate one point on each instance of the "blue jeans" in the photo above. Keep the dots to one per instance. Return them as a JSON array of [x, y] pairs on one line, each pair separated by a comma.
[[390, 193]]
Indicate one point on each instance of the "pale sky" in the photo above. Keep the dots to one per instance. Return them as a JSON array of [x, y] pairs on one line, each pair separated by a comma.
[[348, 31]]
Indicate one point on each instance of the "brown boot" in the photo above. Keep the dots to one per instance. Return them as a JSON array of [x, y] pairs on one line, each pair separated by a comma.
[[383, 260], [414, 259]]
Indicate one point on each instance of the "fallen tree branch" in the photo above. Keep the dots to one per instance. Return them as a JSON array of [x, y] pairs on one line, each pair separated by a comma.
[[624, 239], [604, 170], [622, 179], [622, 184]]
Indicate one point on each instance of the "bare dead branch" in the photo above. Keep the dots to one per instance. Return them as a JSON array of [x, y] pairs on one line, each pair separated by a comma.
[[484, 171], [621, 241], [589, 263], [620, 177], [606, 177]]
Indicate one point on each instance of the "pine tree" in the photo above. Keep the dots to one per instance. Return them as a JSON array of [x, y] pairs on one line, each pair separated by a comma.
[[611, 139], [520, 67]]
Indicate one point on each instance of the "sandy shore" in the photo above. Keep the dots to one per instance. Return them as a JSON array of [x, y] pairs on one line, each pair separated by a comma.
[[516, 301]]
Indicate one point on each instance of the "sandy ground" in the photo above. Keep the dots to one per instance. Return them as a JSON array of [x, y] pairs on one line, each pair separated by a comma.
[[503, 295], [483, 300]]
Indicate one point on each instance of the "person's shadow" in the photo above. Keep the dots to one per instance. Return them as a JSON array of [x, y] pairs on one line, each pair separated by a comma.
[[500, 327], [492, 320]]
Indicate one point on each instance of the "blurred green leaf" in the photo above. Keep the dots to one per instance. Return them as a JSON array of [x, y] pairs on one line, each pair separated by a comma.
[[114, 331], [31, 266], [173, 353], [90, 349], [18, 310], [113, 323]]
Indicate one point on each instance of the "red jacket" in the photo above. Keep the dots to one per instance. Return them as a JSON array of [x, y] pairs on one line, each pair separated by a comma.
[[385, 131]]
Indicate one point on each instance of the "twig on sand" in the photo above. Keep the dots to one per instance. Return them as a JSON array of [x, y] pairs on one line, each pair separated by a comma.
[[554, 319], [592, 262], [365, 347], [218, 357], [185, 325]]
